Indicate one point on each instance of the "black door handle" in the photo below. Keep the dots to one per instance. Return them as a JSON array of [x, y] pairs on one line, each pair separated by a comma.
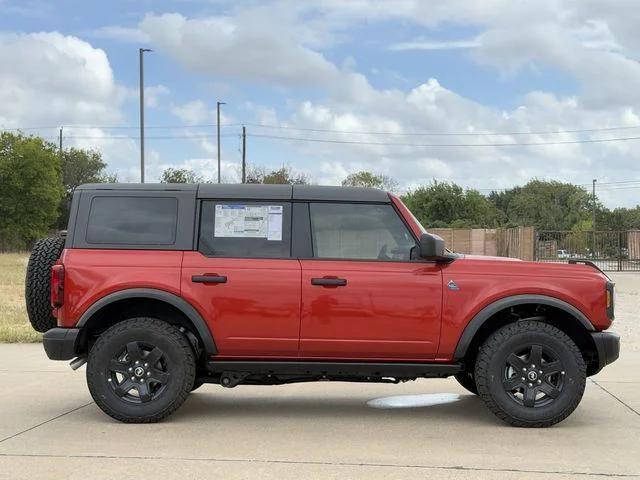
[[209, 279], [329, 282]]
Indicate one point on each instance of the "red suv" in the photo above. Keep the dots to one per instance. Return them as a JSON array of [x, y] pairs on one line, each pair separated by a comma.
[[161, 288]]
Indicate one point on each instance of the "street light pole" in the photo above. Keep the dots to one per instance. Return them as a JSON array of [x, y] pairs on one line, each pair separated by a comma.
[[593, 221], [218, 129], [244, 154], [141, 65]]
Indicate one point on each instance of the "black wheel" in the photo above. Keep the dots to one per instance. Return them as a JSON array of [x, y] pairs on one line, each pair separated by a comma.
[[140, 370], [467, 381], [530, 374], [37, 293]]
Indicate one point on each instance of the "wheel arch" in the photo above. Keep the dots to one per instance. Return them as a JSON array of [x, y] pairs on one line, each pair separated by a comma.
[[544, 308], [145, 301]]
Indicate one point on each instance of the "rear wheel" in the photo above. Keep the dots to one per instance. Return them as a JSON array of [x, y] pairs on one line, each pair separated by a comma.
[[140, 370], [530, 374]]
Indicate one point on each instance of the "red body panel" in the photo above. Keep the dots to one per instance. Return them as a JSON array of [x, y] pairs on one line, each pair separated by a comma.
[[93, 274], [257, 312], [484, 280], [387, 309]]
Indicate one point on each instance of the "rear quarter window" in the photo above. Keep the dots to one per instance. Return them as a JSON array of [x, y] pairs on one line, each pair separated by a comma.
[[125, 220]]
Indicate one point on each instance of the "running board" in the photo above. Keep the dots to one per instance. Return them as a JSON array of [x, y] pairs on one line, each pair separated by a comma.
[[336, 369]]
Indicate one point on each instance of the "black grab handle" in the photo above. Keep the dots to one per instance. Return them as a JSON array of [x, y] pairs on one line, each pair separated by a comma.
[[209, 279], [329, 282]]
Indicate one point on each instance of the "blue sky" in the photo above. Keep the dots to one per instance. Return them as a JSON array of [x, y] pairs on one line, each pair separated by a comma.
[[403, 67]]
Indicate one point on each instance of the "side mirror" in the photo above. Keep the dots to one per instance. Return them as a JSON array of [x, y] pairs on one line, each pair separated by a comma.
[[431, 246]]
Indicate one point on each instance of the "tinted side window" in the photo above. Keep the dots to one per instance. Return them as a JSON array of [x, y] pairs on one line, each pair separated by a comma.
[[359, 231], [132, 221], [245, 229]]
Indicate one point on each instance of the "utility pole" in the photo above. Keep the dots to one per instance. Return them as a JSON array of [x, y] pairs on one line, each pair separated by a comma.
[[244, 154], [141, 66], [593, 221], [218, 129], [60, 143]]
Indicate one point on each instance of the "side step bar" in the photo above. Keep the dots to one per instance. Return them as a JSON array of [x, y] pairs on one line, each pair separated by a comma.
[[335, 369]]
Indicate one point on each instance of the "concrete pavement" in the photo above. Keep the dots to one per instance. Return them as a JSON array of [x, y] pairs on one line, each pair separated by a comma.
[[50, 429]]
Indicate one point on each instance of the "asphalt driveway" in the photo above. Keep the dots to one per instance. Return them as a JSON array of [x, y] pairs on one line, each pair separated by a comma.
[[50, 429]]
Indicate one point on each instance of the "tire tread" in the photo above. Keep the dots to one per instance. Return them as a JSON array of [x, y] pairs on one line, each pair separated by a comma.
[[162, 328], [501, 336]]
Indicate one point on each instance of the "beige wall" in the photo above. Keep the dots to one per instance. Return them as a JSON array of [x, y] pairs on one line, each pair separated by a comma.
[[504, 242]]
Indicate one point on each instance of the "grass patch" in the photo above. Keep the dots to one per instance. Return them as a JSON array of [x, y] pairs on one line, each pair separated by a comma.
[[14, 324]]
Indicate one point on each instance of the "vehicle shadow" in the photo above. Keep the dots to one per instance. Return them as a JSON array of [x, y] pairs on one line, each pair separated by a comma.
[[206, 404]]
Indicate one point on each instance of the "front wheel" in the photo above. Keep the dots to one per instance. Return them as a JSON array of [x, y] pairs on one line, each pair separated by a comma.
[[530, 374], [140, 370]]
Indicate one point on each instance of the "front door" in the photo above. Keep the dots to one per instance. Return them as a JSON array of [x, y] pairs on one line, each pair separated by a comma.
[[362, 295], [243, 279]]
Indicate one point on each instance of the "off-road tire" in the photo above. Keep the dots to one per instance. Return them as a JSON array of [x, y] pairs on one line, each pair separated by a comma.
[[466, 379], [489, 373], [178, 358], [37, 290]]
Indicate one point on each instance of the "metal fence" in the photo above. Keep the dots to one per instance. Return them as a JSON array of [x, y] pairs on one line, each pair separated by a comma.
[[617, 250]]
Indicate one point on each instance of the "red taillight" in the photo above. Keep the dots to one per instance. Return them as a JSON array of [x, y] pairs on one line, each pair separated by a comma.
[[57, 286]]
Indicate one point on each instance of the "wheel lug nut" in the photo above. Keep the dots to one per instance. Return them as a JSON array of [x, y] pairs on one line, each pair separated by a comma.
[[137, 362], [148, 374], [524, 369], [142, 380], [539, 381], [531, 384], [522, 379], [562, 372], [130, 369], [146, 364], [133, 379], [108, 379], [533, 366], [540, 372]]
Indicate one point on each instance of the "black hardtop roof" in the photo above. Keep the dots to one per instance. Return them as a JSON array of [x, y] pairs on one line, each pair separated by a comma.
[[254, 191]]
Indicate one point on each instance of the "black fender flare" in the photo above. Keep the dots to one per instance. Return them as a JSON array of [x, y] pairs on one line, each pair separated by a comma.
[[164, 296], [487, 312]]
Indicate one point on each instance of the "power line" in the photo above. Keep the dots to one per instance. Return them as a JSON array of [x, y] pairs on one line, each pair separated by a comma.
[[121, 127], [157, 137], [432, 133], [426, 145], [326, 130]]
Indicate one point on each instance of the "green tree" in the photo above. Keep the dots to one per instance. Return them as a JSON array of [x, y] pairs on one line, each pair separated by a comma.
[[369, 179], [30, 187], [281, 176], [79, 166], [443, 204], [180, 175], [545, 205]]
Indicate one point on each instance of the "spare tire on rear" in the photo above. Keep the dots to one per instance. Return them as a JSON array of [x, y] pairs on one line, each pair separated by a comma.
[[44, 255]]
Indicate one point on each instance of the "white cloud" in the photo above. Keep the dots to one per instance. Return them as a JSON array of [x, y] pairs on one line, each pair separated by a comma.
[[193, 113], [121, 34], [52, 79], [435, 45], [153, 94], [49, 79]]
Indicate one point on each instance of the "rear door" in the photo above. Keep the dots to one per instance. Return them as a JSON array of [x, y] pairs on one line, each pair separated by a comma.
[[362, 295], [243, 279]]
